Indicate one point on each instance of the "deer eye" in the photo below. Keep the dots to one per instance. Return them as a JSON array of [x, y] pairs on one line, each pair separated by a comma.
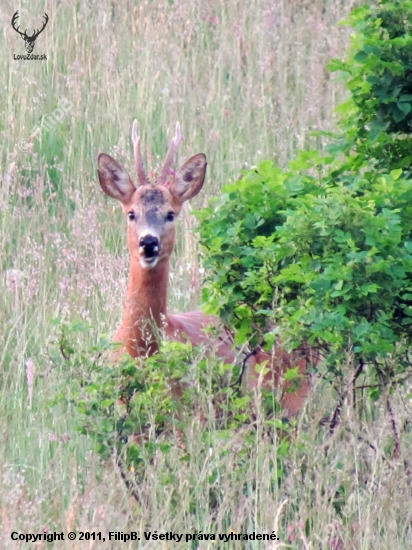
[[131, 216], [170, 216]]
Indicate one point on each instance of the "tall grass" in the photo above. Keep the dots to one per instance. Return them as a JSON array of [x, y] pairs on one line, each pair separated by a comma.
[[247, 81]]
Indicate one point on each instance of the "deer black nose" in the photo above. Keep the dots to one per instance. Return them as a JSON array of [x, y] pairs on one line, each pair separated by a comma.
[[150, 245]]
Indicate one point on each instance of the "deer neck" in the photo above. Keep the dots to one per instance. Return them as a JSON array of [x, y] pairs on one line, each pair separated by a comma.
[[146, 307]]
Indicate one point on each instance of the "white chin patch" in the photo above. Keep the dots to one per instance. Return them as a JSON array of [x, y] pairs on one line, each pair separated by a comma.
[[148, 263]]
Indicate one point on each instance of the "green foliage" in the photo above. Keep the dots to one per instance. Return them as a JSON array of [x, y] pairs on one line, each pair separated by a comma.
[[322, 253], [378, 72], [135, 411]]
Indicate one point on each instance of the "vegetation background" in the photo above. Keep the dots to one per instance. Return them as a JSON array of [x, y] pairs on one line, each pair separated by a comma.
[[247, 81]]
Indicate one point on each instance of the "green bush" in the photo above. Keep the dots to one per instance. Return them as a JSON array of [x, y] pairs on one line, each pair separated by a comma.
[[377, 118], [322, 253]]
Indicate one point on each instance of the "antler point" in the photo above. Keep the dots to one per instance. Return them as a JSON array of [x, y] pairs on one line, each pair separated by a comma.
[[178, 135], [141, 173], [135, 137]]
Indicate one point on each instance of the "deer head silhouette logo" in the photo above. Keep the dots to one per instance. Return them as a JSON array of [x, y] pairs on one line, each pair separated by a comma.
[[29, 41]]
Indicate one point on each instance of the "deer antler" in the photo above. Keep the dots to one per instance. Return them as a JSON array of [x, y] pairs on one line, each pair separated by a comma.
[[36, 34], [13, 24], [141, 173], [174, 146], [24, 34]]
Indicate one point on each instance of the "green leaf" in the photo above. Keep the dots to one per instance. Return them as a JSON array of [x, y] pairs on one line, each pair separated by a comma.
[[404, 107], [361, 56], [399, 114], [396, 174], [292, 374]]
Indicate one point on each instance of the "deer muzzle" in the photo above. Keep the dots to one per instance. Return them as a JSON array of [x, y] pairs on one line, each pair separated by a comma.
[[149, 247]]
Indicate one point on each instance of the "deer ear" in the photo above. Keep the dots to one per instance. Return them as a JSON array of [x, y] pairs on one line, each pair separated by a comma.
[[114, 179], [189, 179]]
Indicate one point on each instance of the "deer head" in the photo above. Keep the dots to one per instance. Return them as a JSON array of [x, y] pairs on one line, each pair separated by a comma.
[[29, 41], [152, 208]]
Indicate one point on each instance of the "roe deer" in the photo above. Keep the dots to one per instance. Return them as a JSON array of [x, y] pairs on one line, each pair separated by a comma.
[[151, 211]]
